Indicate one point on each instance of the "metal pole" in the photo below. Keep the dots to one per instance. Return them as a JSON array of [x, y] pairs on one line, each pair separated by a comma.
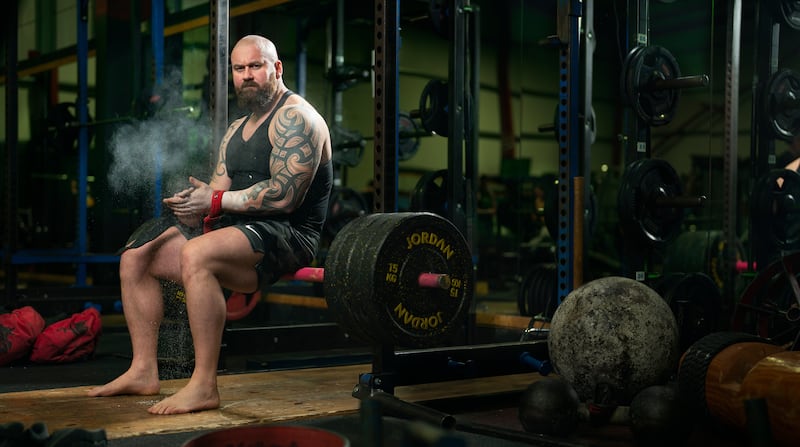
[[455, 137], [157, 42], [385, 95], [12, 136], [82, 106], [301, 50], [569, 14], [731, 145], [218, 71]]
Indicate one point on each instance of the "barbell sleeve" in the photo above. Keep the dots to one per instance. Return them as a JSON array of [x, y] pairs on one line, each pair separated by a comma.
[[434, 280], [310, 274], [680, 82], [425, 280]]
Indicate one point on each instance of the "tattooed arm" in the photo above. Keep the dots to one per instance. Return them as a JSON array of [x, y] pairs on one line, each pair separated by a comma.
[[191, 204], [219, 177], [299, 138]]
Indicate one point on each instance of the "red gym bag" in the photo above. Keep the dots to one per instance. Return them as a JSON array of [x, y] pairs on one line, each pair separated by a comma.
[[68, 340], [18, 331]]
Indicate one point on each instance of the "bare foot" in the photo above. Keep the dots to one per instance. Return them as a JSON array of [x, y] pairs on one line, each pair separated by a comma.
[[192, 397], [130, 382]]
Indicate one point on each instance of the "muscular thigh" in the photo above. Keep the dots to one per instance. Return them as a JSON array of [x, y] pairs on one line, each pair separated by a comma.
[[159, 257], [228, 254]]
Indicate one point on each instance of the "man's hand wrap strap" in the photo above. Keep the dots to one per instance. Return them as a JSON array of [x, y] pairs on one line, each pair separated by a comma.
[[216, 203], [214, 212]]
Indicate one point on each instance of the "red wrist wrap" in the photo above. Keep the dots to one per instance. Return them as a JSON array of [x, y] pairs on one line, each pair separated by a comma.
[[213, 214], [216, 203]]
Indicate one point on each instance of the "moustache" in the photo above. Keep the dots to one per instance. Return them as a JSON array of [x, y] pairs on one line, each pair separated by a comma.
[[249, 84]]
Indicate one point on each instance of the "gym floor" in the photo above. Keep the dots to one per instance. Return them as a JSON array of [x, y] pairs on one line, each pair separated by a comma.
[[309, 389]]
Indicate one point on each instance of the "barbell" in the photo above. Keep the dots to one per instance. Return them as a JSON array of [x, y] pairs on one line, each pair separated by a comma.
[[424, 280], [399, 279]]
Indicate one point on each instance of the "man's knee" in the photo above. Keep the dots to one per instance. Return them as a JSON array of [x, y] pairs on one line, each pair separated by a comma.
[[131, 264], [192, 258]]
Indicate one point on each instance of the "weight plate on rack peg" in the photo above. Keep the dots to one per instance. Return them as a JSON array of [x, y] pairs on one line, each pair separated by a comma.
[[430, 193], [409, 135], [781, 111], [647, 201], [789, 11], [643, 67], [776, 208]]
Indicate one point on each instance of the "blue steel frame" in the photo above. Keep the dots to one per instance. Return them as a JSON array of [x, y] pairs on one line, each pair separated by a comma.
[[79, 254], [569, 153]]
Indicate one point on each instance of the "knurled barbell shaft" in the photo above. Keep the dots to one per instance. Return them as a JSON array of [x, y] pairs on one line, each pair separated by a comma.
[[425, 280], [680, 82]]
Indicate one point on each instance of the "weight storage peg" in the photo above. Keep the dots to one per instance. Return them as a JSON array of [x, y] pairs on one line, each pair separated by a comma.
[[651, 83], [590, 124]]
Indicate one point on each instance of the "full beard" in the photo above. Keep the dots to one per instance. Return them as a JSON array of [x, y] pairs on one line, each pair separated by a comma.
[[255, 100]]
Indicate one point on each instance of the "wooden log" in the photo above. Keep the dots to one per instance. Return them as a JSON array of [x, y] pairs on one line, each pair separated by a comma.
[[755, 370]]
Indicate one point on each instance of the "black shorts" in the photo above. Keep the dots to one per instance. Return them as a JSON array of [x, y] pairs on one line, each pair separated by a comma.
[[283, 252]]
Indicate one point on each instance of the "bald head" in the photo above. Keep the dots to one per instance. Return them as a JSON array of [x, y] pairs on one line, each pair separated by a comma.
[[264, 45], [256, 72]]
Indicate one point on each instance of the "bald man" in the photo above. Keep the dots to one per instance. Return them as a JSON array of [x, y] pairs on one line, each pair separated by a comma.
[[258, 218]]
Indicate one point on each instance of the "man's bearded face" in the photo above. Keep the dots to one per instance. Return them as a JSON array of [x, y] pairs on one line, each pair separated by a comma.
[[254, 97]]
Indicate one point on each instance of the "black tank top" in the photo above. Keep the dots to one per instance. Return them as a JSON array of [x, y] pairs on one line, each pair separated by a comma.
[[248, 164]]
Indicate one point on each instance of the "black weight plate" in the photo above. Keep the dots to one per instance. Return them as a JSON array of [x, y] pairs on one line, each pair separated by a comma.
[[347, 145], [642, 67], [409, 137], [344, 205], [344, 265], [626, 85], [768, 306], [776, 208], [420, 243], [150, 230], [373, 277], [433, 104], [539, 292], [789, 11], [781, 113], [430, 193], [641, 217], [439, 14]]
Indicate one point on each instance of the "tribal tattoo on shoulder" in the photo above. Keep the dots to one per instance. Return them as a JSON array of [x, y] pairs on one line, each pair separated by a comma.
[[220, 169], [293, 163]]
